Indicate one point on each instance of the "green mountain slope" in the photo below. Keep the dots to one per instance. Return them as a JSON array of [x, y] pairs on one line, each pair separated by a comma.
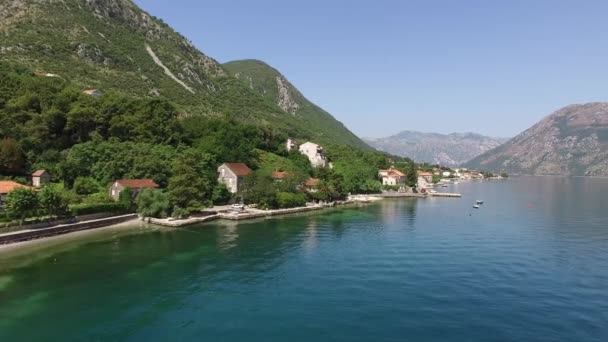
[[272, 85], [112, 45]]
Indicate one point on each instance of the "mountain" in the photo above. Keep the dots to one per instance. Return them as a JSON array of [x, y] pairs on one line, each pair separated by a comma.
[[269, 83], [572, 141], [444, 149], [114, 46]]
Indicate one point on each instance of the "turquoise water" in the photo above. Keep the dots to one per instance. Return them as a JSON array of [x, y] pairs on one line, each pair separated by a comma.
[[530, 265]]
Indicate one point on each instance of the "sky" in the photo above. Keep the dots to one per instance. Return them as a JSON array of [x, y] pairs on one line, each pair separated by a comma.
[[384, 66]]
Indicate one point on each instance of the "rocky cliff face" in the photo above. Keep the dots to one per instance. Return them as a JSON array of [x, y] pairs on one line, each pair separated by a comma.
[[443, 149], [571, 141]]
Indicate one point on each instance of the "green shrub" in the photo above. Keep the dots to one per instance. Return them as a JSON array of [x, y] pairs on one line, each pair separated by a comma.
[[291, 200], [85, 186], [86, 209], [152, 203]]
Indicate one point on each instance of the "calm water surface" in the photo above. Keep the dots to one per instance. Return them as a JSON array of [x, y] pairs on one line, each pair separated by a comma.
[[530, 265]]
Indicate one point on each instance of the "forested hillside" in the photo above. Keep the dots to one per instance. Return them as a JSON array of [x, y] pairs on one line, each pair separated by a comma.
[[114, 46]]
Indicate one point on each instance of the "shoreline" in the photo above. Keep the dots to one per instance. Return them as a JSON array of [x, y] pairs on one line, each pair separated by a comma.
[[19, 239]]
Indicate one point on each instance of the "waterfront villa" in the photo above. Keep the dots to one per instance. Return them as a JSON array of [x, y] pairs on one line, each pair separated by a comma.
[[8, 186], [314, 153], [135, 186], [232, 174], [427, 176], [392, 177], [40, 178]]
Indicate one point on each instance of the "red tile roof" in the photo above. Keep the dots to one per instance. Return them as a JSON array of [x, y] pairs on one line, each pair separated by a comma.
[[8, 186], [239, 169], [312, 182], [137, 183], [422, 174], [279, 174], [38, 173]]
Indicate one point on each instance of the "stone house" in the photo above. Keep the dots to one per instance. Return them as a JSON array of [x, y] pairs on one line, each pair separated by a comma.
[[314, 153], [40, 178], [311, 184], [233, 174], [6, 187], [392, 177], [135, 185], [427, 176]]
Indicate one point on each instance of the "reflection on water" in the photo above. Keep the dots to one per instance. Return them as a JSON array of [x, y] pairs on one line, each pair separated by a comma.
[[530, 265]]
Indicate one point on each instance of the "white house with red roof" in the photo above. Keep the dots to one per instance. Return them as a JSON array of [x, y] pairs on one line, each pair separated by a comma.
[[392, 177], [233, 175], [134, 185]]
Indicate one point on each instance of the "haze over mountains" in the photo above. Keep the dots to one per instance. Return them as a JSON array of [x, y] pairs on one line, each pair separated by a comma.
[[572, 141], [112, 45], [445, 149]]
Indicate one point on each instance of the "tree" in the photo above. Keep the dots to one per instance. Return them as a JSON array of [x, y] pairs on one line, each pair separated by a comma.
[[20, 203], [12, 159], [290, 200], [153, 203], [85, 186], [221, 194], [189, 190], [52, 201], [124, 198]]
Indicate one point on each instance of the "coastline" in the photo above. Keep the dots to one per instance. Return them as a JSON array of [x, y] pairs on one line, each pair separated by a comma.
[[17, 240]]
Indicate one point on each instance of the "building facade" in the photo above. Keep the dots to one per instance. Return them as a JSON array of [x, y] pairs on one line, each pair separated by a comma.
[[232, 175], [314, 153], [134, 185], [392, 177], [40, 178]]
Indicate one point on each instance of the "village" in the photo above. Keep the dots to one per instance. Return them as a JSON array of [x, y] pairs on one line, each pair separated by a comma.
[[304, 194]]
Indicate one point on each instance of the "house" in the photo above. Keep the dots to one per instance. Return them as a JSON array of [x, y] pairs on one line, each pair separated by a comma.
[[314, 153], [392, 177], [135, 185], [446, 174], [279, 175], [40, 178], [427, 176], [232, 174], [311, 184], [8, 186], [93, 92]]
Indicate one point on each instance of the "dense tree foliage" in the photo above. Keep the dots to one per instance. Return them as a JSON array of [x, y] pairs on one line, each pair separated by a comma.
[[153, 203]]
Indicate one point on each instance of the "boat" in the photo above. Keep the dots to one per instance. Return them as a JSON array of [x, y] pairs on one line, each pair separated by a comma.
[[476, 206], [479, 202], [444, 186]]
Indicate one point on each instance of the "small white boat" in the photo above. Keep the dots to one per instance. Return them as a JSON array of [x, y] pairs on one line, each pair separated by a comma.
[[476, 206], [479, 202]]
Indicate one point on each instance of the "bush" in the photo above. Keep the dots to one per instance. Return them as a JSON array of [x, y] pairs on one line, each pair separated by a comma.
[[180, 213], [86, 209], [221, 194], [291, 200], [125, 199], [152, 203], [85, 186]]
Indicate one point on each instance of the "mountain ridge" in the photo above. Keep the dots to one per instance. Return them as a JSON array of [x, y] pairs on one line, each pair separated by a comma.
[[572, 141], [451, 149]]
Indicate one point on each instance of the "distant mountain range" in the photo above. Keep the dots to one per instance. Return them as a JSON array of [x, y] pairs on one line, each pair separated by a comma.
[[444, 149], [572, 141]]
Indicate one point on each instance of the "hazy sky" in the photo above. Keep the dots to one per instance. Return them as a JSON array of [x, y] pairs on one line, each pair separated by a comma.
[[382, 66]]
